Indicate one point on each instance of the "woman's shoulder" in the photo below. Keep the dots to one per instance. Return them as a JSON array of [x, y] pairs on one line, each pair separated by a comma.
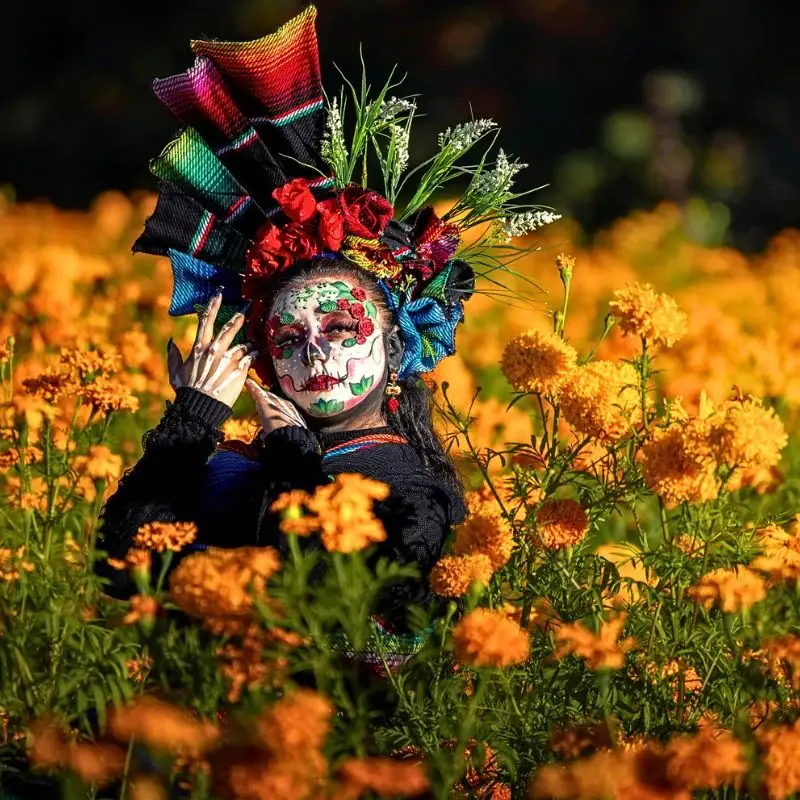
[[400, 466]]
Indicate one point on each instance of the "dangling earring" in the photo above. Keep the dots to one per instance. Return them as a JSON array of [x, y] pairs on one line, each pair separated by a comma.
[[393, 391]]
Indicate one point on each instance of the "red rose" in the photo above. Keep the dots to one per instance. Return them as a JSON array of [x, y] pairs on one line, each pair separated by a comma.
[[360, 339], [357, 310], [343, 305], [359, 294], [331, 224], [365, 213], [296, 200], [366, 327]]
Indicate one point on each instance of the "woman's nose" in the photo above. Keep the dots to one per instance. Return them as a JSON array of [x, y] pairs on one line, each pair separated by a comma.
[[313, 351]]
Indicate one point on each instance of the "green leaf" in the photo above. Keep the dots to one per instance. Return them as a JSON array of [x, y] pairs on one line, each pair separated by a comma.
[[327, 406], [362, 386], [341, 286], [348, 342], [369, 307], [286, 318], [327, 306]]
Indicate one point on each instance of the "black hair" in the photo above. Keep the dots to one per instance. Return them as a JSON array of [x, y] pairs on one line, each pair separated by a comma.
[[414, 417]]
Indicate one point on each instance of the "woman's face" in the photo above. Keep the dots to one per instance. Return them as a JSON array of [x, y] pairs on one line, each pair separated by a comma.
[[326, 345]]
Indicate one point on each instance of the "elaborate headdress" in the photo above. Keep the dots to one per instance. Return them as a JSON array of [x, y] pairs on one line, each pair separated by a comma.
[[262, 176]]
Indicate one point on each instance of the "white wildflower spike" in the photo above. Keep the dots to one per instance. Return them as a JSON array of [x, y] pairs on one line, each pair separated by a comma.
[[520, 224], [332, 145], [400, 135], [464, 135], [496, 182], [395, 106]]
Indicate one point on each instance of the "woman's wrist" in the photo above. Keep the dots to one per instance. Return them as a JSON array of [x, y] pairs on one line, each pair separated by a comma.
[[201, 406]]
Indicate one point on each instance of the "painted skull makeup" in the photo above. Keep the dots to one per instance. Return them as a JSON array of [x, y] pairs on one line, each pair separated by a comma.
[[326, 346]]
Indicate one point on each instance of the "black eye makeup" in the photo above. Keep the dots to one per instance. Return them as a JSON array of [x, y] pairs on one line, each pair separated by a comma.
[[338, 323]]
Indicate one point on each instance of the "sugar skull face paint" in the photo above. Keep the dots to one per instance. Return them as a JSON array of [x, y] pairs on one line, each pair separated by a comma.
[[326, 346]]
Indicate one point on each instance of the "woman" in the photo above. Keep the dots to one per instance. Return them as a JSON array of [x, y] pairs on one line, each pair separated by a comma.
[[345, 300], [332, 418]]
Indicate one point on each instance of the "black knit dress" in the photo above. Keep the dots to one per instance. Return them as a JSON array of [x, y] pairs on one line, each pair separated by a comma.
[[184, 476]]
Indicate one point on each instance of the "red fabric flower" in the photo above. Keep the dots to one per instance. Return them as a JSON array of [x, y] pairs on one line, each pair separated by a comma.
[[366, 327], [343, 304], [359, 294], [296, 200], [276, 248], [365, 213], [357, 310], [331, 224]]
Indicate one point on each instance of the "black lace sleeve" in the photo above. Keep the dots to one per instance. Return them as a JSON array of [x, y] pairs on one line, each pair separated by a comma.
[[167, 482]]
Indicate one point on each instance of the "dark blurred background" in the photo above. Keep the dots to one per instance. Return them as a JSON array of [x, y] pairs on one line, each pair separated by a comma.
[[616, 103]]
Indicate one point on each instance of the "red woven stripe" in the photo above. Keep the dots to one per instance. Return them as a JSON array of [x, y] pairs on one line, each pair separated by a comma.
[[279, 72]]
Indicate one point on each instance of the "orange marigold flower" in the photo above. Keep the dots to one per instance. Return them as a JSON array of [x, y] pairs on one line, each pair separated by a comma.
[[780, 746], [217, 583], [146, 787], [599, 650], [671, 672], [105, 396], [484, 531], [161, 536], [561, 523], [488, 638], [732, 589], [623, 773], [163, 726], [538, 362], [295, 723], [643, 313], [243, 665], [27, 499], [601, 400], [746, 435], [785, 650], [452, 575], [243, 430], [143, 608], [94, 763], [708, 759], [51, 385], [92, 363], [780, 551], [678, 465], [575, 742], [341, 511], [387, 777], [100, 463], [11, 562]]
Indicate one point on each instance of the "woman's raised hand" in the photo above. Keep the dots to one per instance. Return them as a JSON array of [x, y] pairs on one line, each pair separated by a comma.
[[273, 411], [212, 366]]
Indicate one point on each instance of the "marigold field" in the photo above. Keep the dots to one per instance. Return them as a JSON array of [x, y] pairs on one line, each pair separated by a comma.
[[620, 610]]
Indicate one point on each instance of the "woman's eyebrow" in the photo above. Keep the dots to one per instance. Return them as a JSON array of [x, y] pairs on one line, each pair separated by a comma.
[[292, 326]]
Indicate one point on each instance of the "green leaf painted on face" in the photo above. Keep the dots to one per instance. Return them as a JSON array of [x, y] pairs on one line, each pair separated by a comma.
[[327, 406], [369, 307], [287, 352], [327, 306], [341, 286], [348, 342], [286, 318], [362, 386]]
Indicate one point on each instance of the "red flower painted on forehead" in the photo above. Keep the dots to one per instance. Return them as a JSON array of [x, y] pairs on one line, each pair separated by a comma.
[[359, 294], [366, 327], [357, 310], [343, 305]]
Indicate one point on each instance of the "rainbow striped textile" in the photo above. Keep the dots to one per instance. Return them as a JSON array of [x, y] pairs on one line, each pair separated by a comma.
[[362, 443]]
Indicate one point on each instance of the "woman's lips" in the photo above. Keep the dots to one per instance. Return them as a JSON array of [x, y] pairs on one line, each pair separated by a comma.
[[320, 383]]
